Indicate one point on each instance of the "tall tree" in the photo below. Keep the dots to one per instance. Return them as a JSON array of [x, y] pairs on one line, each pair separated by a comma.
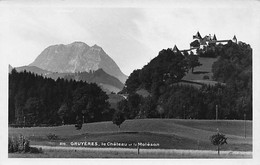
[[193, 61], [33, 110], [118, 118]]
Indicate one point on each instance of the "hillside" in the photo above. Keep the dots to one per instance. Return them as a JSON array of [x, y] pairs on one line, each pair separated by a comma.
[[33, 69], [201, 75], [204, 70], [100, 77], [107, 82]]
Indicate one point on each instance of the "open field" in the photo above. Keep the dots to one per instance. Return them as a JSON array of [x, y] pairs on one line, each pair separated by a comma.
[[167, 133]]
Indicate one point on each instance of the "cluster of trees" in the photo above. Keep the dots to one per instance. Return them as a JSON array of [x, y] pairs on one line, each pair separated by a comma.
[[167, 99], [35, 100], [234, 67], [167, 68], [211, 51], [188, 102]]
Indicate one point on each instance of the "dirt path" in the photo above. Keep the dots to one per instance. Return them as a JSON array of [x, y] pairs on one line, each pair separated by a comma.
[[207, 153]]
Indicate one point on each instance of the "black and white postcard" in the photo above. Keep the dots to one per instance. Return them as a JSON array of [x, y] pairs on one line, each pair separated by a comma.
[[160, 81]]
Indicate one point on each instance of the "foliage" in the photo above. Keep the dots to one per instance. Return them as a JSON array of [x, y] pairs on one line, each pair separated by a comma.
[[218, 140], [79, 122], [118, 118], [134, 82], [63, 112], [147, 108], [35, 100], [166, 68], [235, 62], [52, 136], [205, 77], [234, 67], [171, 100], [188, 102], [193, 61], [33, 110], [18, 144]]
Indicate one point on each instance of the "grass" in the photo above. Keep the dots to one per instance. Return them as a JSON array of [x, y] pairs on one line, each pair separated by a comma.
[[204, 69], [115, 154], [168, 133]]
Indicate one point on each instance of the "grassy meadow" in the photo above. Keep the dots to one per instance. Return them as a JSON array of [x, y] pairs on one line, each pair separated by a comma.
[[168, 133], [200, 71]]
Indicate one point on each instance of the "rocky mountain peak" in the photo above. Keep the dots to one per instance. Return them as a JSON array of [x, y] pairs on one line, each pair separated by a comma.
[[77, 57]]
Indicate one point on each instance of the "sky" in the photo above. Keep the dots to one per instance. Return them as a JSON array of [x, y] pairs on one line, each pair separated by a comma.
[[130, 32]]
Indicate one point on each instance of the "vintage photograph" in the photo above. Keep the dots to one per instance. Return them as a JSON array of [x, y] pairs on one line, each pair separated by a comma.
[[139, 80]]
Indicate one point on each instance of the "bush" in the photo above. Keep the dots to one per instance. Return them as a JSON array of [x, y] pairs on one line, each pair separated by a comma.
[[51, 136], [18, 144], [206, 77], [35, 150], [78, 126]]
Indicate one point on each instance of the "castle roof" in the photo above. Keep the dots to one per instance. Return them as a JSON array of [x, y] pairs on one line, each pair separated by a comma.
[[234, 39], [214, 38], [175, 49], [198, 36]]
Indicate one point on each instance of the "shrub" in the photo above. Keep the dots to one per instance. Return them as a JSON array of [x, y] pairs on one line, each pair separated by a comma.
[[51, 136], [35, 150], [18, 144], [206, 77], [78, 126]]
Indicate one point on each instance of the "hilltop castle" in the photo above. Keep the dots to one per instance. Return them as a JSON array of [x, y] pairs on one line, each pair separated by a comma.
[[200, 42]]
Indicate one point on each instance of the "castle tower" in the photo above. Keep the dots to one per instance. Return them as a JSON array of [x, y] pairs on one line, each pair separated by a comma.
[[175, 49], [197, 36], [234, 39], [214, 38]]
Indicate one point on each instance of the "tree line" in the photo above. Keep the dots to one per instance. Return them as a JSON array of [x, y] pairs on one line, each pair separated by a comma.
[[35, 100]]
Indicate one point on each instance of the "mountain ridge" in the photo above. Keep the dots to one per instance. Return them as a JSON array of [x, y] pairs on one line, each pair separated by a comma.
[[77, 57]]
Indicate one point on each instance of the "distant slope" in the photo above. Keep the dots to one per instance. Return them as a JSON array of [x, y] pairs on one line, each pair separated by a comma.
[[100, 77], [77, 57], [33, 69], [107, 82]]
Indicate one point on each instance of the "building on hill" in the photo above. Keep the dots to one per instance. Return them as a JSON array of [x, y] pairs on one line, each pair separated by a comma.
[[214, 38], [175, 49], [203, 44], [197, 36], [234, 39], [208, 40]]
